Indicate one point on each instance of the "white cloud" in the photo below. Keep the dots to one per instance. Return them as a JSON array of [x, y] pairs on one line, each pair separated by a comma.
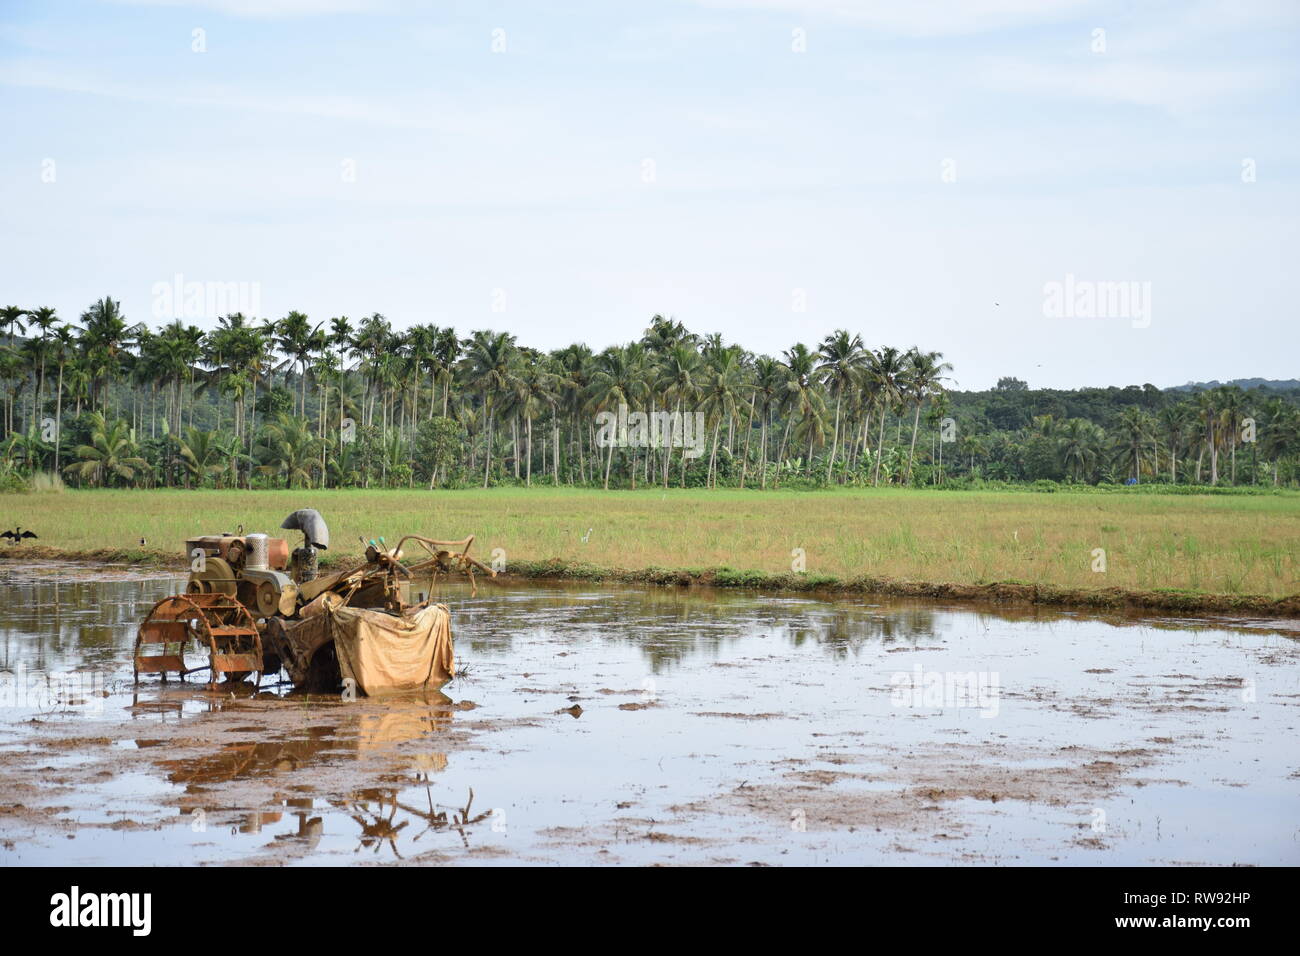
[[407, 114], [1174, 88], [272, 9], [921, 17]]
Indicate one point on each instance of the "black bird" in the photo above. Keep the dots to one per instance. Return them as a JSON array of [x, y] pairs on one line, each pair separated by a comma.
[[16, 535]]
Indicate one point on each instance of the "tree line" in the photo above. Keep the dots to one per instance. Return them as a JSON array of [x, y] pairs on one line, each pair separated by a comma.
[[291, 403]]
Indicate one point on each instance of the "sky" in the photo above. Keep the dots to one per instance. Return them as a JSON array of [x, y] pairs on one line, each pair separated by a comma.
[[1073, 193]]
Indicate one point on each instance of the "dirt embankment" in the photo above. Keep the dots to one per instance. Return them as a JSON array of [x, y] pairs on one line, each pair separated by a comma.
[[141, 557], [1003, 592], [997, 592]]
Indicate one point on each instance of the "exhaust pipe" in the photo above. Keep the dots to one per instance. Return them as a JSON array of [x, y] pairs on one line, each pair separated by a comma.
[[312, 526]]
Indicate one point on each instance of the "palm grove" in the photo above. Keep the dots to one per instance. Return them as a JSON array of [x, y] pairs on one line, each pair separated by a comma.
[[262, 403]]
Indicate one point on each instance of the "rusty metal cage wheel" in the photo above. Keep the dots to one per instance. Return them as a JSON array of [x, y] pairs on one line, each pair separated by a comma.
[[213, 618]]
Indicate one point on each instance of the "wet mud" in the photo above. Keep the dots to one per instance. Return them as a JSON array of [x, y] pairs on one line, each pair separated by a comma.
[[663, 726]]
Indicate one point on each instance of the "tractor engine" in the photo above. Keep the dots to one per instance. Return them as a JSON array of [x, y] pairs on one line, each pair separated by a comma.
[[249, 567]]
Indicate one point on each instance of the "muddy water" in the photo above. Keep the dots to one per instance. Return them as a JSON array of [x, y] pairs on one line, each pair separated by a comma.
[[649, 726]]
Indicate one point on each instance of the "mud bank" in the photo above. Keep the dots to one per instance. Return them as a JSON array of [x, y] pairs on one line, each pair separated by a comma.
[[996, 592]]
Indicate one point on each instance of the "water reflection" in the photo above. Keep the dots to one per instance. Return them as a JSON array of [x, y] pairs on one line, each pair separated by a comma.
[[401, 720], [382, 815], [670, 624], [286, 777], [59, 625], [50, 625]]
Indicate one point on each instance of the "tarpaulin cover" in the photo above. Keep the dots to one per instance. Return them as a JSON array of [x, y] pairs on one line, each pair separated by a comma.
[[385, 652]]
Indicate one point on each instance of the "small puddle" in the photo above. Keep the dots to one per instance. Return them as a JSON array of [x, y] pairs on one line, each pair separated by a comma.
[[662, 726]]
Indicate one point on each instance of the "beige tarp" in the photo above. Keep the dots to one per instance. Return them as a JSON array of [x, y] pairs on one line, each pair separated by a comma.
[[384, 652]]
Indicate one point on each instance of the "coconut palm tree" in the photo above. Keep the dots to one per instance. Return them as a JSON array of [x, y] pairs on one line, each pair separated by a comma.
[[1134, 438], [297, 339], [180, 350], [1280, 431], [105, 339], [25, 451], [370, 347], [940, 405], [343, 464], [885, 373], [1176, 422], [1207, 411], [78, 384], [1232, 401], [1077, 444], [748, 362], [723, 388], [573, 380], [222, 349], [111, 454], [616, 379], [489, 370], [662, 334], [924, 378], [841, 359], [289, 448], [802, 403], [534, 391], [769, 384], [203, 454], [677, 377]]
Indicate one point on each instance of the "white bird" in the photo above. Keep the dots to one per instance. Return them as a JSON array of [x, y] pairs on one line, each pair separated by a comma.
[[586, 536]]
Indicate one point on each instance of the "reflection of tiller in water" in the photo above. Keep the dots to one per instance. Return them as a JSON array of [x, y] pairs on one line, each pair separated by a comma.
[[256, 611], [379, 825]]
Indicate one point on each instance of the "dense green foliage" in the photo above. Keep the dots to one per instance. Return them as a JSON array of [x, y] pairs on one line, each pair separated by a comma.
[[289, 403]]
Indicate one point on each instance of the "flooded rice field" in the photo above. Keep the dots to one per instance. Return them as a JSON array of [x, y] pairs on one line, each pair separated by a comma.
[[662, 726]]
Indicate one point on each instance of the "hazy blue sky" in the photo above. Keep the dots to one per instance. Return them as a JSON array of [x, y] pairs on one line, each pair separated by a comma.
[[778, 178]]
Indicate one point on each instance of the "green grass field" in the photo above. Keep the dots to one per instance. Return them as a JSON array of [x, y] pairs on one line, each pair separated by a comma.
[[1227, 545]]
